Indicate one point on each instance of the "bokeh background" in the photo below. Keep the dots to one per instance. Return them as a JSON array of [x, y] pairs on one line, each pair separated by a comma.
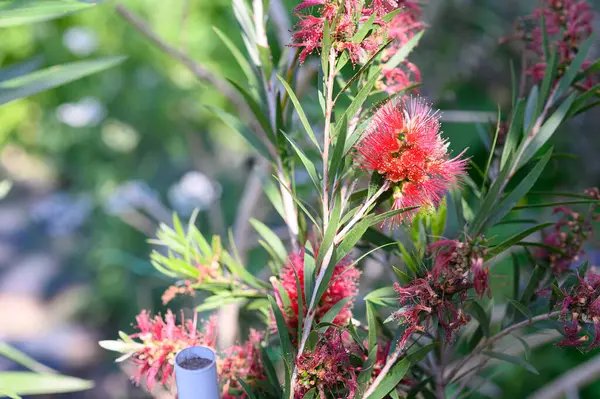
[[97, 164]]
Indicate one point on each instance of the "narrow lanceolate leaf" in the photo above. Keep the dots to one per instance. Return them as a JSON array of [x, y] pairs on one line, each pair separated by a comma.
[[256, 109], [11, 353], [549, 79], [271, 238], [532, 285], [239, 57], [372, 324], [357, 103], [517, 194], [404, 51], [546, 131], [509, 242], [335, 310], [308, 164], [246, 388], [300, 112], [284, 335], [482, 317], [28, 383], [511, 359], [235, 124], [531, 108], [392, 379], [36, 82], [19, 12], [514, 132], [521, 308], [575, 66], [270, 371], [367, 370]]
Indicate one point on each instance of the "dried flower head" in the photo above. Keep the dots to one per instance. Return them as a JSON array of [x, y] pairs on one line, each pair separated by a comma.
[[161, 339], [403, 143], [582, 306], [343, 284], [327, 368], [241, 361], [568, 25], [568, 235], [345, 17], [443, 291]]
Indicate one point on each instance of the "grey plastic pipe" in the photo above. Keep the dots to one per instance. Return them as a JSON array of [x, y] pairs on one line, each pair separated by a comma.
[[197, 384]]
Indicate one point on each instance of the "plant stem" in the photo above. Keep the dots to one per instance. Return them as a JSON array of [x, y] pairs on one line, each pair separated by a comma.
[[326, 135], [440, 386], [385, 370], [490, 341]]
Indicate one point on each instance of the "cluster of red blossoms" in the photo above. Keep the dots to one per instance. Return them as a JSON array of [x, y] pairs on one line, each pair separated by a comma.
[[344, 284], [241, 361], [327, 368], [568, 24], [443, 291], [161, 340], [346, 18], [403, 143], [569, 235], [581, 306]]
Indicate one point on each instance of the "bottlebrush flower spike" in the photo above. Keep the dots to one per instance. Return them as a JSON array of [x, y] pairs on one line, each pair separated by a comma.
[[568, 24], [161, 339], [327, 368], [241, 361], [403, 143], [580, 307], [344, 284], [569, 235]]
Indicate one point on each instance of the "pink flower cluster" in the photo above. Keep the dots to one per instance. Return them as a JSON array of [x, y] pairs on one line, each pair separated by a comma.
[[443, 291], [161, 340], [568, 24], [344, 284], [327, 368], [402, 28], [582, 306], [403, 143], [346, 18], [241, 361], [569, 235]]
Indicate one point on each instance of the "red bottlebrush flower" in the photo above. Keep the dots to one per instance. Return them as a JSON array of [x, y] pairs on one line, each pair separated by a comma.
[[403, 143], [344, 284], [348, 15], [327, 368], [568, 25], [568, 235], [582, 306], [399, 78], [162, 339], [241, 361]]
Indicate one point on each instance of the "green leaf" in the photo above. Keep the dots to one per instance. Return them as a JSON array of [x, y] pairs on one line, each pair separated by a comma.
[[256, 109], [372, 324], [511, 359], [530, 108], [555, 204], [18, 12], [270, 371], [521, 308], [532, 285], [335, 310], [367, 369], [404, 51], [271, 238], [549, 79], [28, 383], [246, 388], [575, 66], [235, 124], [509, 242], [284, 335], [311, 394], [309, 274], [514, 132], [308, 164], [397, 372], [21, 358], [546, 131], [36, 82], [357, 103], [517, 194], [239, 57], [300, 112], [482, 317]]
